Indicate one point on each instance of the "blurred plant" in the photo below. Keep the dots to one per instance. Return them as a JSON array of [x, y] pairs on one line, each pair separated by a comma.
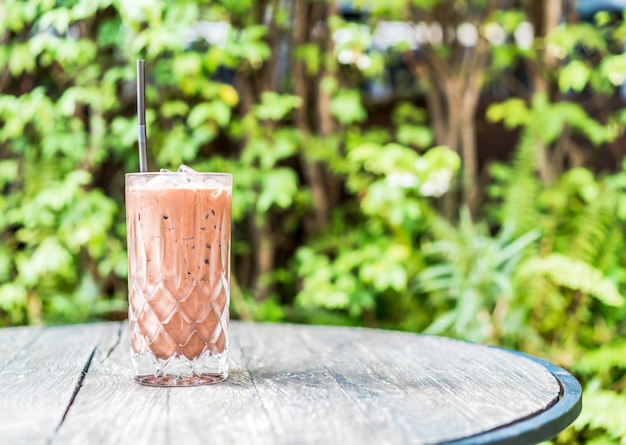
[[449, 47], [569, 294], [365, 262], [605, 370], [68, 130], [471, 282], [222, 94], [568, 302]]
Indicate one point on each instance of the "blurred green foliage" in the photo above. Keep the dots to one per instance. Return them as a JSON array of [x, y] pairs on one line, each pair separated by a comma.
[[339, 218]]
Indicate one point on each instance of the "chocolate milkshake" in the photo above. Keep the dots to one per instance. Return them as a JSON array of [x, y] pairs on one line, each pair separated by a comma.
[[178, 227]]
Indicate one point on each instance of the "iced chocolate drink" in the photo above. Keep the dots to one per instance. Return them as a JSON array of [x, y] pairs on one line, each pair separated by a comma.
[[178, 228]]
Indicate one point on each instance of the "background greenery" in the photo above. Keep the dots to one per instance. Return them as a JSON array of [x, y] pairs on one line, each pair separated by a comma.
[[363, 194]]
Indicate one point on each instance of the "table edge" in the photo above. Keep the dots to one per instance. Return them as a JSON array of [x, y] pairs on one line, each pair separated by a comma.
[[542, 426]]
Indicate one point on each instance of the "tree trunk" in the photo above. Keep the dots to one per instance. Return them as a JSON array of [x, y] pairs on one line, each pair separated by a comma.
[[545, 16], [307, 19], [434, 102], [263, 239], [452, 93], [456, 80], [470, 160], [252, 83]]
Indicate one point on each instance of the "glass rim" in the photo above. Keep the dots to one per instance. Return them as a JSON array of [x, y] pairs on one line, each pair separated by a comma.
[[140, 174]]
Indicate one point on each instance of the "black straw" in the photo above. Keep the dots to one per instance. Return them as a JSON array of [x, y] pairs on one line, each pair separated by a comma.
[[141, 116]]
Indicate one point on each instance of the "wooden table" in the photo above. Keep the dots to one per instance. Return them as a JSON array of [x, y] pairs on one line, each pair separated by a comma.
[[288, 385]]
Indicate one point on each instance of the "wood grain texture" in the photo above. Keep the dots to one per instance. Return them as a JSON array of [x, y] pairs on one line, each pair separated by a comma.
[[13, 343], [432, 389], [37, 384], [288, 385], [111, 408]]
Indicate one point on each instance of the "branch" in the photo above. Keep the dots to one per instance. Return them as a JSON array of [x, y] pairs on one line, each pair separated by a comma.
[[438, 66]]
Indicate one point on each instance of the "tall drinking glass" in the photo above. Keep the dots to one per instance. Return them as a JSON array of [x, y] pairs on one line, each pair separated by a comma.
[[178, 231]]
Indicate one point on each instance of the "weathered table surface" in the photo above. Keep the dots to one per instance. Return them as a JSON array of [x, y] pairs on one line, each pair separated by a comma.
[[288, 385]]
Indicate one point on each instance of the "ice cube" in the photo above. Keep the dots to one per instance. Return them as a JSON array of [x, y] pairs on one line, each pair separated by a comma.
[[160, 181], [184, 169]]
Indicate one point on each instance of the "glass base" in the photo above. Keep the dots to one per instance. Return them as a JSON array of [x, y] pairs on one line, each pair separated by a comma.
[[179, 380], [179, 370]]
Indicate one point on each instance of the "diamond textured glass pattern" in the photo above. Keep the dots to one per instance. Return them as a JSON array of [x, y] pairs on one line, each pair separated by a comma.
[[178, 228]]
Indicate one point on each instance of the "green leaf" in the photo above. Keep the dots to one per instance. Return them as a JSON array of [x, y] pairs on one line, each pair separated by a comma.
[[574, 76], [613, 67], [310, 55], [276, 106], [602, 359], [178, 147], [188, 64], [58, 18], [86, 223], [6, 264], [516, 247], [205, 112], [415, 135], [604, 411], [575, 275], [437, 158], [9, 171], [174, 108], [21, 60], [602, 18], [509, 19], [442, 323], [50, 258], [513, 112], [13, 297], [347, 108], [277, 188], [406, 112], [254, 32]]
